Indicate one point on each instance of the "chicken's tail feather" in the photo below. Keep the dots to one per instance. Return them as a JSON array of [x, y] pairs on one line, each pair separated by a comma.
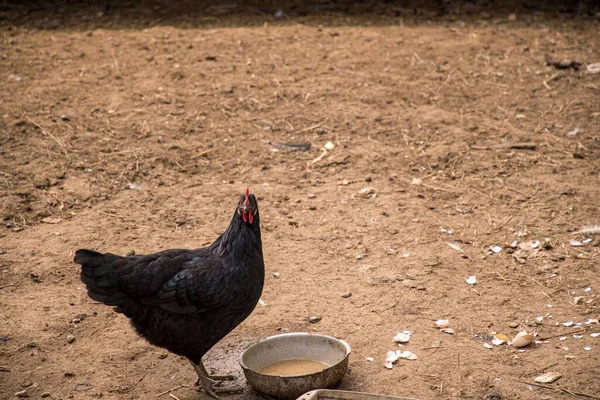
[[99, 275]]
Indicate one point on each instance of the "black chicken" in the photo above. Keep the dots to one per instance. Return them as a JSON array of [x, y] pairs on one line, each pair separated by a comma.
[[186, 300]]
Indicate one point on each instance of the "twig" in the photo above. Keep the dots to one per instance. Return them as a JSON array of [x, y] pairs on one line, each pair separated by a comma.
[[142, 378], [501, 277], [8, 285], [517, 146], [537, 371], [563, 334], [518, 191], [170, 390], [439, 188], [458, 366], [310, 128], [48, 133], [323, 154], [588, 230], [111, 214], [572, 393], [553, 77], [202, 153], [545, 294]]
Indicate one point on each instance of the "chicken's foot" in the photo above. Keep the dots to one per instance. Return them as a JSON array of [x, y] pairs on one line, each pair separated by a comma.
[[209, 382]]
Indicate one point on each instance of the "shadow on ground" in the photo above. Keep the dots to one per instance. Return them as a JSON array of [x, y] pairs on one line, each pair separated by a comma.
[[204, 13]]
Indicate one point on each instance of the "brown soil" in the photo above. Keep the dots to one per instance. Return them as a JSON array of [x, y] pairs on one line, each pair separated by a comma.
[[138, 129]]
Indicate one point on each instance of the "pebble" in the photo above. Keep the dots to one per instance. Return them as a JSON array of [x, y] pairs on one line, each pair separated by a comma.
[[314, 319], [22, 393], [492, 396], [70, 338], [513, 324], [346, 295]]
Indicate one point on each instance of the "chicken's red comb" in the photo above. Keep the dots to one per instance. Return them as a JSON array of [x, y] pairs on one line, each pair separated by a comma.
[[247, 194]]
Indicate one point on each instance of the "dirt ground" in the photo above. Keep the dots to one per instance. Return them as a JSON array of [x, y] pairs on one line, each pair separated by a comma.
[[137, 128]]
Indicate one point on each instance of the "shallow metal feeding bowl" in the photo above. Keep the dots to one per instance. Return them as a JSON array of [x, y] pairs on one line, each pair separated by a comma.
[[330, 351]]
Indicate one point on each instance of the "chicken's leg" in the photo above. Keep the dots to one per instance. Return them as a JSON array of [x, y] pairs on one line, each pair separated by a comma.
[[207, 382]]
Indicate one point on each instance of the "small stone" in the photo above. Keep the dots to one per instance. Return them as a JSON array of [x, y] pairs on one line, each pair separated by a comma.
[[492, 396], [513, 324], [346, 295], [41, 183], [22, 393], [45, 394], [65, 118], [162, 356], [314, 319], [70, 338], [546, 267]]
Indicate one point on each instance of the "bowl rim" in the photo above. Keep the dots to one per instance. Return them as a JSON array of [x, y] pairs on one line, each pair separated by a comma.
[[295, 334]]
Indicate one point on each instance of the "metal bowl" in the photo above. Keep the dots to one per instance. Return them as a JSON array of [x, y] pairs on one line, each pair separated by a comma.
[[293, 346]]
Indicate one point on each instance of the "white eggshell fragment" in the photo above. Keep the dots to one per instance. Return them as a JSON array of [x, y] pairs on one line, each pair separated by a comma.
[[407, 355], [401, 337], [496, 249], [548, 377], [496, 341], [442, 323], [522, 339]]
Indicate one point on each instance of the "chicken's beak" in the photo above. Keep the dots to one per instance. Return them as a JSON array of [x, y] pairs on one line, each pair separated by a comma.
[[247, 213], [246, 209]]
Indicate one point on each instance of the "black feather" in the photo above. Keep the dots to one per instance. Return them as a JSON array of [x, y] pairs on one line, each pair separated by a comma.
[[183, 300]]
